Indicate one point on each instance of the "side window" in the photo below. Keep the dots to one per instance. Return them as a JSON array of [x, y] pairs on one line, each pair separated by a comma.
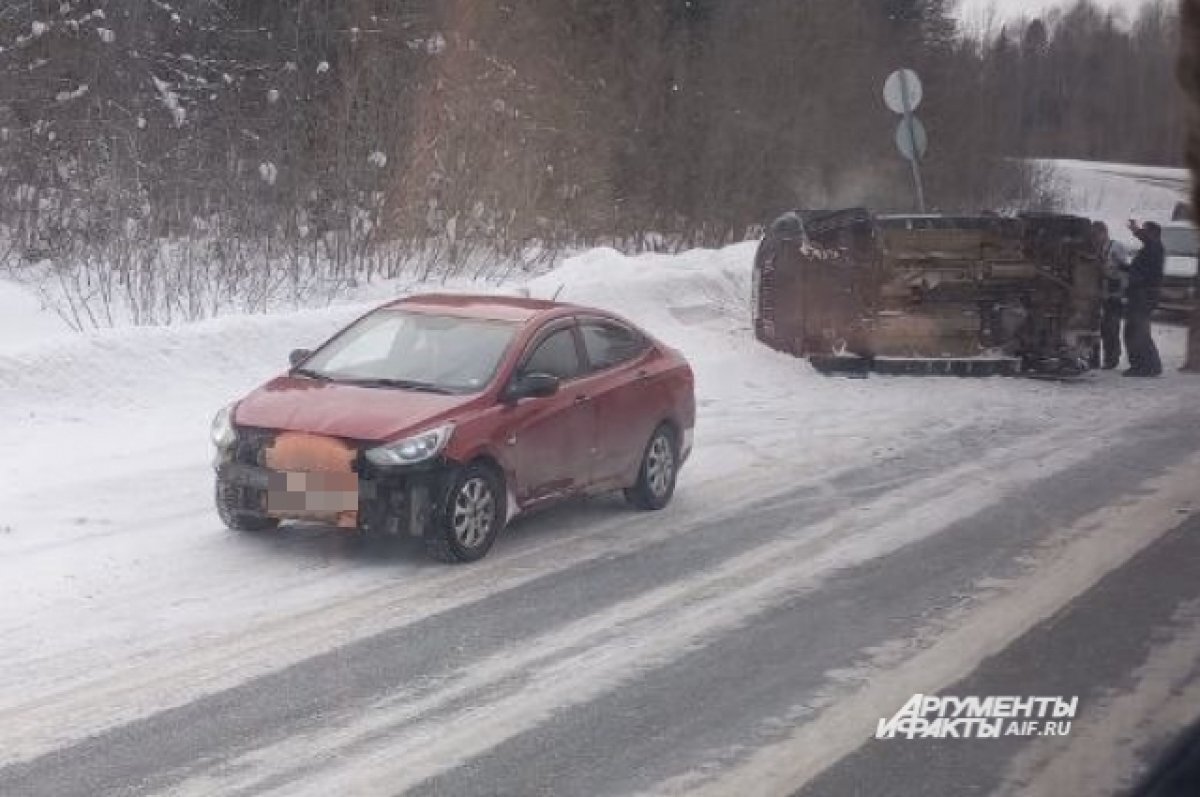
[[556, 355], [610, 344]]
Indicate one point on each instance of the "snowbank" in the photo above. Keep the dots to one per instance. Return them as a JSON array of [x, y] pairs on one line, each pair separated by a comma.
[[23, 318], [140, 368]]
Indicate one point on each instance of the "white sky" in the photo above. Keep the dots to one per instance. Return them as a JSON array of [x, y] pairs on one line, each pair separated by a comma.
[[975, 11]]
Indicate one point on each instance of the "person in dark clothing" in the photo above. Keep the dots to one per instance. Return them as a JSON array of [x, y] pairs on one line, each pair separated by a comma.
[[1114, 259], [1145, 282]]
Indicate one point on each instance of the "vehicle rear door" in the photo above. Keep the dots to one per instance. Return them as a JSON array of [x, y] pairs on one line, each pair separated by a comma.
[[551, 439], [621, 384]]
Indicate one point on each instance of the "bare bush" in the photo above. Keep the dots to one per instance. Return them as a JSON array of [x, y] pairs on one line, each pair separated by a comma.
[[170, 162]]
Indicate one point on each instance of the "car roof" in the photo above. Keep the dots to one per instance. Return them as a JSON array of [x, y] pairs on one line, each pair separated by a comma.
[[492, 308]]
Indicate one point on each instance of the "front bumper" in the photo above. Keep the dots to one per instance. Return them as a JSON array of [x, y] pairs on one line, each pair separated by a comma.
[[390, 503]]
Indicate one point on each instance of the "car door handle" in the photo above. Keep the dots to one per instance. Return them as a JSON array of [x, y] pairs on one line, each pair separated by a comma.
[[643, 375], [582, 398]]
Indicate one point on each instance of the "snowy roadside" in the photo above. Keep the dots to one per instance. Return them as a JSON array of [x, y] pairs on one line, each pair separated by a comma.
[[24, 319], [116, 396], [111, 553], [106, 432], [114, 405], [109, 399], [124, 397]]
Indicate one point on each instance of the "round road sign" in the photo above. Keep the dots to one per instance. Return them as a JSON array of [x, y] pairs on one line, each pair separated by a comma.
[[902, 85], [912, 139]]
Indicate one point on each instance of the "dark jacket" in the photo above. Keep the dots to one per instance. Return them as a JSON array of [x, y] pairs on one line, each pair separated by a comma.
[[1146, 270]]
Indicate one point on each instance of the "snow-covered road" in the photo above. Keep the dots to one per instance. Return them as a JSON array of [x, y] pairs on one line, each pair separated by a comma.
[[836, 545]]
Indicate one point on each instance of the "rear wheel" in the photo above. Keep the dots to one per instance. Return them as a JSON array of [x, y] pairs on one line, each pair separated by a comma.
[[472, 513], [231, 509], [660, 468]]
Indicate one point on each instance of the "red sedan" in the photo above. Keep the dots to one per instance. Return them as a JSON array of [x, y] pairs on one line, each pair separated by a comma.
[[443, 417]]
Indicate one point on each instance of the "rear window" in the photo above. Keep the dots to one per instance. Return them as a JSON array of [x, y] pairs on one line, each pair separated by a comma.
[[609, 344]]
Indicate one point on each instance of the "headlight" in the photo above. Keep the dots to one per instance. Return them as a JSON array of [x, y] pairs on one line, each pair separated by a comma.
[[411, 450], [224, 434]]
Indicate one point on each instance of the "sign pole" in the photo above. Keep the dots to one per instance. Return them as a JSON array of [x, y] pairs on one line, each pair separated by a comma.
[[912, 136]]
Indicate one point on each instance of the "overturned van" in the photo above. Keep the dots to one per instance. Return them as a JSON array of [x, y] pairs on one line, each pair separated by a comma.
[[966, 295]]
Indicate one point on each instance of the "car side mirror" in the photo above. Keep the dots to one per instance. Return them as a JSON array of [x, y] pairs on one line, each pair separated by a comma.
[[298, 356], [532, 386]]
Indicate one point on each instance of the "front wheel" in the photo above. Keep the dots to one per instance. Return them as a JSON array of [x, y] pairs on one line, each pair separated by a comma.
[[471, 515], [656, 477]]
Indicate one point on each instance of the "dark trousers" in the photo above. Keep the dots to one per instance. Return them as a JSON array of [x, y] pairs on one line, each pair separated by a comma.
[[1110, 331], [1139, 342]]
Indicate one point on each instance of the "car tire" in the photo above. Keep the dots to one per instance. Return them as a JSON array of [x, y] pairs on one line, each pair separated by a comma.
[[470, 516], [229, 508], [658, 472]]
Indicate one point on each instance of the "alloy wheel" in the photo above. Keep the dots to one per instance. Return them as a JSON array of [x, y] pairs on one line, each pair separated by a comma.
[[474, 512], [660, 466]]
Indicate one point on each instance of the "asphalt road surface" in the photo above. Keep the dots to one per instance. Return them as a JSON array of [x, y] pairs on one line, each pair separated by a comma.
[[747, 641]]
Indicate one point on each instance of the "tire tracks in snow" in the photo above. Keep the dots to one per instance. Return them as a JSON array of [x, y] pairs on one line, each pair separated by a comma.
[[174, 676], [94, 698], [399, 743], [610, 646], [1080, 556]]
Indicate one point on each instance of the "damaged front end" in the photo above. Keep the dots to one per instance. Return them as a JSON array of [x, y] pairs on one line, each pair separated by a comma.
[[305, 477]]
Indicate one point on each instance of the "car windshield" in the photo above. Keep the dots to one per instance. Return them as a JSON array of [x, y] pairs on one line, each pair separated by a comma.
[[395, 348], [1181, 241]]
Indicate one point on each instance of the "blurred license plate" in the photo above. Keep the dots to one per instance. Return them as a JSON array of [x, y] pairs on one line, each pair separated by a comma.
[[312, 493]]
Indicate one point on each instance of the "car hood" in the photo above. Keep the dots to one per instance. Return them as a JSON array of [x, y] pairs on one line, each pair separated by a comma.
[[346, 411]]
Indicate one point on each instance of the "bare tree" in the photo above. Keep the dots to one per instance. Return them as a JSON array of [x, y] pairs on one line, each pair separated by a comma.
[[166, 161]]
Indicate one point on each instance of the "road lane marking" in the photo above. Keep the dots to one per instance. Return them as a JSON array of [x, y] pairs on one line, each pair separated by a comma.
[[1105, 541], [1102, 753]]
